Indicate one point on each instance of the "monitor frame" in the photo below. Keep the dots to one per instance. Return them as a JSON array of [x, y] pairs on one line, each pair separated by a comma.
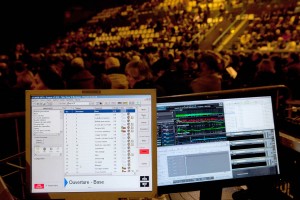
[[113, 195], [207, 187]]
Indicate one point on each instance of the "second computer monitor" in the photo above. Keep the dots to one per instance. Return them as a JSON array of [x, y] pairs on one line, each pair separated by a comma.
[[222, 139]]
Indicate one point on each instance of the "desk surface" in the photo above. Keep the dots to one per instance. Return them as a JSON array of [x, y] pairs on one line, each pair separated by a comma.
[[290, 141]]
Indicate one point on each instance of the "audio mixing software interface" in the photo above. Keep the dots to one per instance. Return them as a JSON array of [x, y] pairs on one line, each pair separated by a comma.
[[215, 140]]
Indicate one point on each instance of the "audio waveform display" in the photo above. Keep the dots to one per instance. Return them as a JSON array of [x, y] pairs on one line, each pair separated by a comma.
[[191, 124], [202, 119], [181, 131], [196, 114], [199, 139]]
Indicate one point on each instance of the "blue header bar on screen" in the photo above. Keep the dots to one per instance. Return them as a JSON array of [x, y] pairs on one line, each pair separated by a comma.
[[101, 111]]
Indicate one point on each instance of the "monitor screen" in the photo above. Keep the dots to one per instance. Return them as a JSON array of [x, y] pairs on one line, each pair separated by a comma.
[[215, 139], [91, 144]]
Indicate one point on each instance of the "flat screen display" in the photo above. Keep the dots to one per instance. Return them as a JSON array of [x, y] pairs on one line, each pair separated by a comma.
[[91, 144], [214, 140]]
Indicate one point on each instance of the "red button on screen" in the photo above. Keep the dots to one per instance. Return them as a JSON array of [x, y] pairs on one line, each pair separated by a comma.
[[144, 151], [38, 186]]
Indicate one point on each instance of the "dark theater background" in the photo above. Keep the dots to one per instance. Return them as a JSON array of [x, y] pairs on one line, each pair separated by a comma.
[[241, 44], [36, 23]]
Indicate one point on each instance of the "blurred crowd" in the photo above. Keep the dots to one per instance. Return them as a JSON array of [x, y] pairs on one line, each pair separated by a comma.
[[78, 61], [277, 28]]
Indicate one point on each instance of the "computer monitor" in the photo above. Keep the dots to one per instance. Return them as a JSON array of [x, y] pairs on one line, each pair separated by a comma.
[[91, 144], [216, 139]]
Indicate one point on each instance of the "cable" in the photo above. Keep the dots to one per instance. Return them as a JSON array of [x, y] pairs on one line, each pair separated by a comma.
[[181, 196], [191, 195]]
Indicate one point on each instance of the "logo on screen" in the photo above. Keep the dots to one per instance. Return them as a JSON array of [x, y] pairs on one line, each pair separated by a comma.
[[39, 186], [144, 181]]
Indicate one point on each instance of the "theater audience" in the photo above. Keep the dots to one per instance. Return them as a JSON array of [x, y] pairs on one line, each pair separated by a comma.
[[167, 77], [266, 74], [23, 76], [97, 68], [4, 81], [116, 76], [248, 68], [20, 52], [83, 59], [292, 72], [102, 81], [139, 76], [279, 64], [47, 79], [77, 76], [209, 78]]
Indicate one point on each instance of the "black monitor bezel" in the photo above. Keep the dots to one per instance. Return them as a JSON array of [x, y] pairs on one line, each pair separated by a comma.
[[273, 91]]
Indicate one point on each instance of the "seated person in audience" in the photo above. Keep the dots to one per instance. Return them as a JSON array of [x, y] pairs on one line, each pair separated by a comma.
[[102, 81], [77, 76], [4, 81], [292, 74], [265, 74], [209, 78], [247, 69], [139, 76], [117, 78], [47, 79], [19, 53], [169, 78], [12, 98], [23, 76]]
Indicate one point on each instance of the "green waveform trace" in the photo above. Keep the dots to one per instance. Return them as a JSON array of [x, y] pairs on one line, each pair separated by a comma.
[[216, 122], [196, 114], [179, 130]]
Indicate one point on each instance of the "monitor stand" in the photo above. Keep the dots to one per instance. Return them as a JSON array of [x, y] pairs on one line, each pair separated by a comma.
[[211, 193]]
